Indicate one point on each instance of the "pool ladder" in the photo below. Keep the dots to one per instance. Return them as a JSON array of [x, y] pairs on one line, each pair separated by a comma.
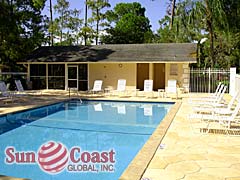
[[69, 95]]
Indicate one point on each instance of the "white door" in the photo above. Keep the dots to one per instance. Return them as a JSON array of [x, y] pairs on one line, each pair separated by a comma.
[[73, 77]]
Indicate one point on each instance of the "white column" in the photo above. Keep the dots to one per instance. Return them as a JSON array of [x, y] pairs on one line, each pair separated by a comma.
[[232, 81], [28, 72], [88, 75], [66, 77], [46, 76]]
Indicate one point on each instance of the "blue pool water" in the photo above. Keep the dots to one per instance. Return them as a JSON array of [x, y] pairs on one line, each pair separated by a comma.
[[92, 125]]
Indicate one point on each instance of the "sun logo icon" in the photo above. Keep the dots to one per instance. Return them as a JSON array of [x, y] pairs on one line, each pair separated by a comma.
[[52, 157]]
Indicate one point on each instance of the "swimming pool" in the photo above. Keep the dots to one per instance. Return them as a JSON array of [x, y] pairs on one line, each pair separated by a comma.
[[92, 126]]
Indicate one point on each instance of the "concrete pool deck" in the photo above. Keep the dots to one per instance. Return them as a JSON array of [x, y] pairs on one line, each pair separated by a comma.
[[188, 154], [184, 152]]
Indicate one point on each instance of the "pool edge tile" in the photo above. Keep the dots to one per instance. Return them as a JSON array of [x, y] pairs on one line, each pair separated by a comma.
[[139, 164]]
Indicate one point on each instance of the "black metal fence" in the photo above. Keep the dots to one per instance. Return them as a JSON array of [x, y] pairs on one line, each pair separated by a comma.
[[206, 80]]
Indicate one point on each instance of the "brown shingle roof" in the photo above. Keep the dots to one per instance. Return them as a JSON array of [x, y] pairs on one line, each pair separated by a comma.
[[164, 52]]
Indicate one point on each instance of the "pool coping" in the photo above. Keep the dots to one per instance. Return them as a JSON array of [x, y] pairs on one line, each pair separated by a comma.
[[84, 99], [139, 164]]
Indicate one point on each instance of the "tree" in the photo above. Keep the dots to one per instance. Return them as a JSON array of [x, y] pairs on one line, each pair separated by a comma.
[[62, 8], [67, 25], [171, 12], [85, 29], [97, 15], [21, 29], [227, 36], [186, 27], [74, 24], [217, 20], [131, 25], [213, 14], [51, 23]]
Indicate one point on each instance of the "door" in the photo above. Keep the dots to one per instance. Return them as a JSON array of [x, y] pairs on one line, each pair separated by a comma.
[[73, 77], [159, 76], [142, 74]]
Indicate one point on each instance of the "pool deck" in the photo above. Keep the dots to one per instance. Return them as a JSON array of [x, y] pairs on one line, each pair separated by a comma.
[[184, 151]]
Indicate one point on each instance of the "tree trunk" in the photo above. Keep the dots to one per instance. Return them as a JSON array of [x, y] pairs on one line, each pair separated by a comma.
[[97, 28], [211, 32], [85, 33], [51, 22], [172, 14]]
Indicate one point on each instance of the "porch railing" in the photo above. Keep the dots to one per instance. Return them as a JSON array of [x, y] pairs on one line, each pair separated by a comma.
[[206, 80]]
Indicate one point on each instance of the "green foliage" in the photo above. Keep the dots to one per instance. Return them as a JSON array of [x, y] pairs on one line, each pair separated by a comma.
[[67, 24], [98, 16], [130, 25], [21, 29], [218, 20]]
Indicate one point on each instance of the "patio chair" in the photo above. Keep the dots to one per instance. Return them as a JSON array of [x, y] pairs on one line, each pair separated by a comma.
[[21, 90], [97, 86], [216, 91], [231, 117], [224, 118], [216, 109], [6, 95], [215, 102], [211, 96], [19, 87], [171, 87], [148, 87], [121, 87]]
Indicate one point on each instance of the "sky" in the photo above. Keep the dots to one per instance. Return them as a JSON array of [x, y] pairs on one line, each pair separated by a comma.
[[155, 9]]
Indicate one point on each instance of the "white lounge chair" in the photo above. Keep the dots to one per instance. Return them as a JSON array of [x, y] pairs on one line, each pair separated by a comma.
[[171, 87], [215, 102], [216, 91], [4, 91], [6, 95], [97, 86], [217, 109], [19, 86], [148, 87], [210, 96], [21, 90], [121, 87], [225, 118], [233, 117]]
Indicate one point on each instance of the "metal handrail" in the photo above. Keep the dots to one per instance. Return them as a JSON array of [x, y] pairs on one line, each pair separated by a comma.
[[69, 95]]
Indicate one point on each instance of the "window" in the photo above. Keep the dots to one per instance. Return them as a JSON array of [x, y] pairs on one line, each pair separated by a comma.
[[38, 82], [56, 70], [56, 76], [173, 69], [38, 76], [38, 70]]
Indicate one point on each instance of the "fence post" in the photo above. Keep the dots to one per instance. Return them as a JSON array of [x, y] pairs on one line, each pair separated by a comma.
[[232, 81], [209, 80]]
